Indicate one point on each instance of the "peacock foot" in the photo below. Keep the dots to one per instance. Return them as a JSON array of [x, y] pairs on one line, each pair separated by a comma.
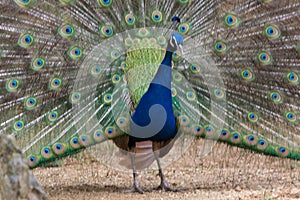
[[134, 189], [165, 187]]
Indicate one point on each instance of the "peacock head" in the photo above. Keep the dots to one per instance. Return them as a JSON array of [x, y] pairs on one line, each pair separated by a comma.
[[175, 43]]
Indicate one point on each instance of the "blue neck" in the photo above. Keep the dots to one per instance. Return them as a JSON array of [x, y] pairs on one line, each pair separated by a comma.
[[164, 72]]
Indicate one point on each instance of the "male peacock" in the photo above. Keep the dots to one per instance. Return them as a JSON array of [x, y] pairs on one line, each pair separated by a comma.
[[73, 72]]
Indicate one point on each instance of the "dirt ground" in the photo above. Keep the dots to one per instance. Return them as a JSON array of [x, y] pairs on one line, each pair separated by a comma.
[[225, 173]]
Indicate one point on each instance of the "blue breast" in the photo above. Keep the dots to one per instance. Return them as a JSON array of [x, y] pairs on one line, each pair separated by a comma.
[[159, 92]]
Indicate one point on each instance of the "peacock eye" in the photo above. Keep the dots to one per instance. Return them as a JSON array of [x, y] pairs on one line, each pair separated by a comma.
[[106, 31], [30, 103], [18, 125], [105, 3], [116, 79], [55, 83], [24, 3], [253, 117], [156, 16], [247, 75], [107, 98], [272, 32], [191, 96], [275, 97], [231, 20], [220, 47], [74, 97], [219, 93], [291, 116], [37, 64], [12, 85], [265, 58], [115, 54], [143, 32], [52, 117], [184, 28], [195, 68], [130, 19], [25, 40], [75, 53], [292, 78], [66, 31]]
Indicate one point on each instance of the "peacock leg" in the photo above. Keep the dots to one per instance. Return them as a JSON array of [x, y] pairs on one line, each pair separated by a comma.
[[136, 187], [163, 184]]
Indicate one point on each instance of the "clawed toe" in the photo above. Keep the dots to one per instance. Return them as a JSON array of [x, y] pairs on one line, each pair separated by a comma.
[[134, 190]]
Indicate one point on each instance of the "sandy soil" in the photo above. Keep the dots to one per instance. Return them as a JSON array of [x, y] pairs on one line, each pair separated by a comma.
[[225, 173]]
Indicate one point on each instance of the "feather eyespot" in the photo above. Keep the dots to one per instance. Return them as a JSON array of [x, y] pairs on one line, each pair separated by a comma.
[[123, 65], [251, 140], [143, 32], [58, 148], [75, 53], [209, 132], [184, 28], [231, 20], [235, 137], [292, 78], [24, 3], [107, 98], [252, 117], [52, 117], [224, 134], [197, 130], [191, 96], [265, 58], [30, 103], [74, 143], [261, 145], [128, 42], [283, 151], [176, 55], [84, 140], [184, 120], [247, 75], [12, 85], [195, 68], [46, 152], [37, 64], [156, 16], [66, 31], [130, 19], [220, 47], [74, 97], [98, 136], [177, 77], [55, 83], [173, 92], [106, 31], [291, 116], [219, 94], [116, 79], [161, 40], [275, 97], [111, 132], [32, 160], [18, 125], [26, 40], [105, 3], [95, 70], [115, 54], [272, 32]]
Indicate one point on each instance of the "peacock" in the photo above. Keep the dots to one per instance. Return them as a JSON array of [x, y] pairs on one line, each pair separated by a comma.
[[150, 77]]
